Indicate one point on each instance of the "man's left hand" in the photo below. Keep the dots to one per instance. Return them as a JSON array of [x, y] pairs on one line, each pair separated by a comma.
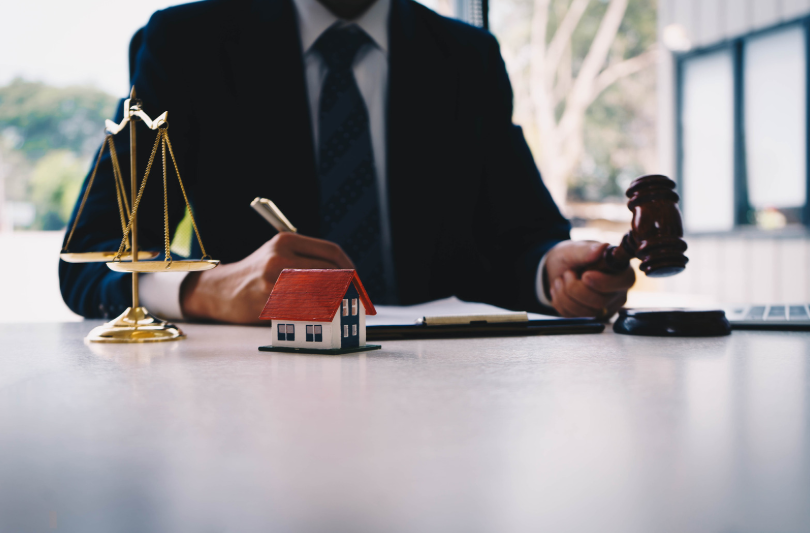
[[591, 293]]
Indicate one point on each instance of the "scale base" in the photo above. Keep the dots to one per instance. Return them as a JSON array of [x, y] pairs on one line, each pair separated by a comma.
[[136, 325]]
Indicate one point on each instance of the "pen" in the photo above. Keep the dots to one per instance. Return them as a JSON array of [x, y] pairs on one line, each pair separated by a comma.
[[272, 214]]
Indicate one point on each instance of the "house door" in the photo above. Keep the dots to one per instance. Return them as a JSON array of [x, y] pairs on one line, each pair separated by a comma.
[[350, 319]]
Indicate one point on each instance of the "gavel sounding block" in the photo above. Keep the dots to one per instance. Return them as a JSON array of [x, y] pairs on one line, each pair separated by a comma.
[[672, 323]]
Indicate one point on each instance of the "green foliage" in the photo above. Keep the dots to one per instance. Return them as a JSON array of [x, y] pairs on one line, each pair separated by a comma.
[[620, 135], [51, 133], [54, 186], [42, 118], [620, 131]]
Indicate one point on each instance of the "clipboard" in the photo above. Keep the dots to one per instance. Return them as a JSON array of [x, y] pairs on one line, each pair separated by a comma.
[[423, 330]]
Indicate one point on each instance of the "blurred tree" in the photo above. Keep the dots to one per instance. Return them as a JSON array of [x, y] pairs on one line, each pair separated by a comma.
[[583, 91], [47, 137], [43, 118], [54, 186]]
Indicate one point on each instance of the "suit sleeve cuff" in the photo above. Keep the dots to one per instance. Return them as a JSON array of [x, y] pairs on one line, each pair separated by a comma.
[[541, 291], [160, 294]]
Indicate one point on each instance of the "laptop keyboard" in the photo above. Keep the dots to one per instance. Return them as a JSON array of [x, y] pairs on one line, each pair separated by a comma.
[[769, 313]]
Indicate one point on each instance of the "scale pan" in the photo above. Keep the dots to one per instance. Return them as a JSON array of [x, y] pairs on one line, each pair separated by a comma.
[[103, 257], [162, 266]]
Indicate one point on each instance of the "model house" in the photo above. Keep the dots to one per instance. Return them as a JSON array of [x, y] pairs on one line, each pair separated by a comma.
[[318, 310]]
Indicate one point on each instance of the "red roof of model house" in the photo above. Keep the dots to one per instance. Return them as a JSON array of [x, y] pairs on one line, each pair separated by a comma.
[[312, 295]]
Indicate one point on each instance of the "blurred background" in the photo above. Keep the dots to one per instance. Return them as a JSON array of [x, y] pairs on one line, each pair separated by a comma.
[[710, 92]]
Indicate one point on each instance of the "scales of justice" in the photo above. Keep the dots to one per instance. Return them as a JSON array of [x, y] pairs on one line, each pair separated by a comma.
[[137, 324]]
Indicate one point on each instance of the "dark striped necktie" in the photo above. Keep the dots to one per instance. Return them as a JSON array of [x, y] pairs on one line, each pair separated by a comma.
[[350, 212]]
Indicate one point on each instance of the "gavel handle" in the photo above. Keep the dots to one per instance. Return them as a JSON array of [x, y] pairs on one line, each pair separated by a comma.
[[615, 259]]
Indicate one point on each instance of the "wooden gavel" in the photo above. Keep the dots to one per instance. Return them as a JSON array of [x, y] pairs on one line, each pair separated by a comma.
[[656, 234]]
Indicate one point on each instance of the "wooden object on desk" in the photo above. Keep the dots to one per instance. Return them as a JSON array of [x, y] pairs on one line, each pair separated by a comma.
[[656, 237]]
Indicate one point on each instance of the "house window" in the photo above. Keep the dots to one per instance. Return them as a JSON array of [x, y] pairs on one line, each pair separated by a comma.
[[282, 332], [346, 331], [345, 307], [354, 330], [310, 334], [318, 333], [354, 306], [290, 332]]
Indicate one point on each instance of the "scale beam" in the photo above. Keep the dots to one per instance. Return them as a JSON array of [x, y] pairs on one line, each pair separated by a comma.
[[113, 128]]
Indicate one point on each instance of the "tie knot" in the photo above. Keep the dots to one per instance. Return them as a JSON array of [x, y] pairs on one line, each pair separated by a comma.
[[339, 44]]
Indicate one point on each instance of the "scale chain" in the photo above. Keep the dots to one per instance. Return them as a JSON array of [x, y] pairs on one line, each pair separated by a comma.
[[166, 243], [138, 198], [119, 176], [84, 198], [185, 198], [120, 192], [123, 211]]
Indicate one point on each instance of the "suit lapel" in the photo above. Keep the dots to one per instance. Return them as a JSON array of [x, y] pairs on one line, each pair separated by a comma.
[[273, 114], [421, 106]]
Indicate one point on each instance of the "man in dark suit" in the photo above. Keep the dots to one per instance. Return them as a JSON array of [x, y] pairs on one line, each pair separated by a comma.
[[382, 130]]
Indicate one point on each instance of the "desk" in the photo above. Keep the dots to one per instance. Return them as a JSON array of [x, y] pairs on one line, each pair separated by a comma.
[[568, 433]]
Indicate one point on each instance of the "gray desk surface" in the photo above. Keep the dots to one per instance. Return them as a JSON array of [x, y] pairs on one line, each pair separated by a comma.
[[569, 433]]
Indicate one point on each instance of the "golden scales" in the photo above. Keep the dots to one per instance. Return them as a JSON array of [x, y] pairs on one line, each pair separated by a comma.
[[136, 324]]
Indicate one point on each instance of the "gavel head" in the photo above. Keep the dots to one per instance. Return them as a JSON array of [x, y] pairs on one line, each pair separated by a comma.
[[656, 237]]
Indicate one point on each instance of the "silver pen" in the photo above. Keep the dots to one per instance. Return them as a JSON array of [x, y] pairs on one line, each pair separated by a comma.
[[272, 214]]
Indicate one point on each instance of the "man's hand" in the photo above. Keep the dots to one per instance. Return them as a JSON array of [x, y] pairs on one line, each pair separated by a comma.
[[237, 292], [591, 294]]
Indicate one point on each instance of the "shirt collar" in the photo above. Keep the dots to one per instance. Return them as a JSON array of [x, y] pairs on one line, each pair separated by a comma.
[[313, 19]]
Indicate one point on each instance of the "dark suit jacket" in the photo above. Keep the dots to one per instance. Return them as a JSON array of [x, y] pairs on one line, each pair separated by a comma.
[[470, 215]]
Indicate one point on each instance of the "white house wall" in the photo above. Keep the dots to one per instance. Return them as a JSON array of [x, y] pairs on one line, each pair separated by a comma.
[[301, 332], [332, 332], [336, 329], [362, 324]]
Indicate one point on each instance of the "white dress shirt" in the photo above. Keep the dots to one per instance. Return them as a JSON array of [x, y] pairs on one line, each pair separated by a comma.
[[160, 293]]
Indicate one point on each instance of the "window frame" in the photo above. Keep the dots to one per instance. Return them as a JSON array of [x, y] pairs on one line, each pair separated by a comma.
[[743, 211]]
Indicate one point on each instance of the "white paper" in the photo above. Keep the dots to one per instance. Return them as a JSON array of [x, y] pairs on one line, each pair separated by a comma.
[[392, 315]]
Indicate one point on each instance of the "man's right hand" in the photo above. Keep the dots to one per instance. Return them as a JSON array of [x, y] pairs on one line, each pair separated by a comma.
[[237, 292]]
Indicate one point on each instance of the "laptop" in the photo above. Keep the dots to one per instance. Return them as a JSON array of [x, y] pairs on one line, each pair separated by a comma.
[[784, 317]]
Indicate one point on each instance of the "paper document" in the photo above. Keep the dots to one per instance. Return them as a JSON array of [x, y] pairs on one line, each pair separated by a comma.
[[392, 315]]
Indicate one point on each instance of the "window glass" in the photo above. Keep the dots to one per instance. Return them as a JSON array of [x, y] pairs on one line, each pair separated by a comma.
[[282, 332], [354, 306], [775, 122], [354, 330], [318, 334], [708, 142], [318, 330], [346, 331], [309, 337], [345, 307], [290, 332]]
